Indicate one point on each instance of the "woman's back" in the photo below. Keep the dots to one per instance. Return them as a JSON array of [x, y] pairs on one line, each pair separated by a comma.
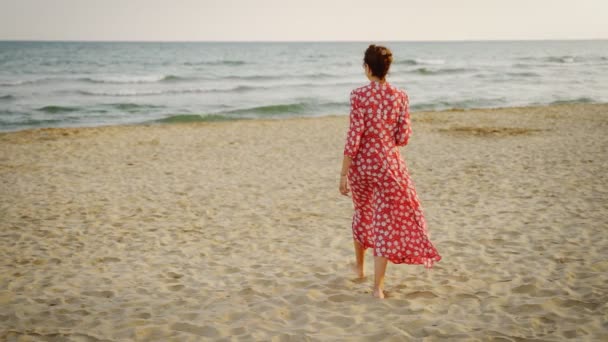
[[381, 112]]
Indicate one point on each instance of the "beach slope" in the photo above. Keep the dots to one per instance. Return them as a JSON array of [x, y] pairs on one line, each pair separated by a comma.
[[223, 230]]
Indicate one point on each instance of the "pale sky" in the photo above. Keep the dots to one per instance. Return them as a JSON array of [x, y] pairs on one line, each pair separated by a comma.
[[302, 20]]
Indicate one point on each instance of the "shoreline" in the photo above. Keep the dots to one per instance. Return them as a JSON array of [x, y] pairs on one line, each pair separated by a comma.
[[303, 117], [217, 230]]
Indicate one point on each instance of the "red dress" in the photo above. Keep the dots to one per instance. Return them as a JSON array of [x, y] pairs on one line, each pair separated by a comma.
[[388, 217]]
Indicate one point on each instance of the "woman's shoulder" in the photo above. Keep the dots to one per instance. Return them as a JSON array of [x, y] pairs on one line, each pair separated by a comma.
[[360, 90], [399, 91], [368, 90], [360, 94]]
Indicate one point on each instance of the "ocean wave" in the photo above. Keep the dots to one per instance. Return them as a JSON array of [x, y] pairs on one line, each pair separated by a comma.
[[120, 79], [58, 109], [553, 59], [504, 76], [136, 93], [29, 122], [316, 75], [291, 108], [7, 112], [406, 62], [302, 107], [523, 74], [247, 77], [421, 61], [132, 107], [13, 83], [560, 59], [221, 62], [322, 75], [72, 63], [10, 83], [440, 71], [317, 55], [185, 118], [577, 59], [524, 65], [150, 79], [241, 88], [41, 80], [460, 104], [7, 97], [255, 112], [556, 60], [121, 106], [253, 77], [573, 101], [121, 93]]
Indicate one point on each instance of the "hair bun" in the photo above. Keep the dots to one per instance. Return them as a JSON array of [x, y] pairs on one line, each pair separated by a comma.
[[379, 59]]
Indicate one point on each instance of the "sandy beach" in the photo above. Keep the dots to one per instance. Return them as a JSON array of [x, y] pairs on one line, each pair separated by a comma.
[[236, 231]]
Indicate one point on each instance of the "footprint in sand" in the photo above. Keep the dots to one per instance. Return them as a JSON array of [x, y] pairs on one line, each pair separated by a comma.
[[174, 276], [420, 294], [341, 298], [142, 291], [525, 289], [101, 294], [176, 287], [341, 321], [207, 331], [107, 259]]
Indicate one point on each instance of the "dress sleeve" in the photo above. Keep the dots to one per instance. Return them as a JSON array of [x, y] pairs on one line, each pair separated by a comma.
[[404, 128], [355, 129]]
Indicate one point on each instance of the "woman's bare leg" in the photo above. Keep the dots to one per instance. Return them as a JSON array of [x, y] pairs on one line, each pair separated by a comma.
[[360, 257], [379, 271]]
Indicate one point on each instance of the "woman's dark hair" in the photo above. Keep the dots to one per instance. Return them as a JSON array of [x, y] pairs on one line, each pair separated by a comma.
[[379, 59]]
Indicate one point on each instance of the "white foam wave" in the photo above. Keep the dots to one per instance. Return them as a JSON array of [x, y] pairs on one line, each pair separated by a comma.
[[126, 79], [429, 61]]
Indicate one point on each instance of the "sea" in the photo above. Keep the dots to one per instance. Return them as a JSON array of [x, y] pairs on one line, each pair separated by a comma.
[[74, 84]]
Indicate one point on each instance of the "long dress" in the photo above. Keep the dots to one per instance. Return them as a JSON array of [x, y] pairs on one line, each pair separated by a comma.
[[388, 217]]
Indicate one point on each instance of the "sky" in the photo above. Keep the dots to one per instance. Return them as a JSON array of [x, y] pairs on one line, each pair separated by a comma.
[[302, 20]]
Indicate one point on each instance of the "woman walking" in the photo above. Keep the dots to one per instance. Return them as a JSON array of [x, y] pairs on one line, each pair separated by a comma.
[[388, 217]]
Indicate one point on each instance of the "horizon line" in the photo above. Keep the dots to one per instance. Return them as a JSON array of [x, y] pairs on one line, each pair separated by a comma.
[[298, 41]]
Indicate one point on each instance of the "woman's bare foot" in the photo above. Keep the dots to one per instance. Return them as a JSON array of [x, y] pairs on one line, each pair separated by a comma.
[[359, 272], [378, 293]]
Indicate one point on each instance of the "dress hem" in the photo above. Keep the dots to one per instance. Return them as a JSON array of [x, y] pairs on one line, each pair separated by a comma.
[[427, 261]]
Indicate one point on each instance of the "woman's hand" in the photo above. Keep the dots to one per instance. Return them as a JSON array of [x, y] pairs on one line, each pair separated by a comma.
[[344, 189], [346, 161]]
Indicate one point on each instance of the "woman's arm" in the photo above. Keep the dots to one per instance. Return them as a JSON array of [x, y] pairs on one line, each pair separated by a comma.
[[355, 127], [353, 139], [404, 128], [344, 189]]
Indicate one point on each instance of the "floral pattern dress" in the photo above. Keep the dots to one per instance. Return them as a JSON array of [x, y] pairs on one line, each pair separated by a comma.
[[388, 217]]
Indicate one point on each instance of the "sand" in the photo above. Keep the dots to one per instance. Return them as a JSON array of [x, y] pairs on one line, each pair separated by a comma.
[[237, 231]]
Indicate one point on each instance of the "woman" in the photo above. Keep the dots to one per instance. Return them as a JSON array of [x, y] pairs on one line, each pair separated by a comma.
[[388, 217]]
